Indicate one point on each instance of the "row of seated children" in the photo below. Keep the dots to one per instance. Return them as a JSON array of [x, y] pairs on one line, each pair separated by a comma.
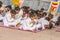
[[26, 18]]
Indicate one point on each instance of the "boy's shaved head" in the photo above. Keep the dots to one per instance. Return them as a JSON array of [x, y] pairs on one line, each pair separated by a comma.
[[12, 12], [17, 8], [42, 8], [9, 6]]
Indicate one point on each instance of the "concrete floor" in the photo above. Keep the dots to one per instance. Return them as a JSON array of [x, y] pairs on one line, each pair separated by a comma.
[[10, 34]]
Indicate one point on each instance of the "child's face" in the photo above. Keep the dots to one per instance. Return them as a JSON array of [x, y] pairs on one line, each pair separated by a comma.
[[22, 9], [7, 9], [24, 12], [38, 17], [41, 12], [28, 8], [50, 17], [23, 15], [1, 11], [29, 11], [13, 15], [17, 11], [35, 16], [38, 12], [32, 18]]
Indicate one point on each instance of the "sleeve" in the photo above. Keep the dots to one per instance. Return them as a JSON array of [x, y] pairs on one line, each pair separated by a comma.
[[42, 24], [21, 13], [1, 18], [28, 24], [8, 17], [15, 22]]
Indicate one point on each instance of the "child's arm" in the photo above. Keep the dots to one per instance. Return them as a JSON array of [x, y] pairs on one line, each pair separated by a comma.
[[28, 23], [9, 19], [15, 22], [20, 13]]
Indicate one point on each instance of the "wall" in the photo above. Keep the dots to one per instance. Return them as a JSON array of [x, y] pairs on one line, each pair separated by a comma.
[[37, 4], [6, 2]]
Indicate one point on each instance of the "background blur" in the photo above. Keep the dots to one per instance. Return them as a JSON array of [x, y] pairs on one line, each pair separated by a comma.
[[34, 4]]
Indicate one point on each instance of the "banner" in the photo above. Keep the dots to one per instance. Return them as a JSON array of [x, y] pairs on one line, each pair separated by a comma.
[[21, 2], [17, 2], [54, 7]]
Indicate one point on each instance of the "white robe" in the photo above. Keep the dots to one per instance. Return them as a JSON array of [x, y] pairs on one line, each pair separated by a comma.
[[10, 21], [28, 25], [22, 20], [13, 23], [8, 16], [1, 17], [55, 19], [43, 22], [19, 14]]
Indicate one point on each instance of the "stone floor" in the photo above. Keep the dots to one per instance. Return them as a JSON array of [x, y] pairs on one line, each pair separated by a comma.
[[11, 34]]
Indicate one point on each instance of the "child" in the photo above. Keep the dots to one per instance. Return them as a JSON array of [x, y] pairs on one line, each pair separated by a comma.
[[7, 11], [22, 19], [51, 21], [58, 21], [19, 12], [1, 14], [43, 22], [44, 14], [41, 11], [38, 23], [8, 8], [29, 24], [12, 21]]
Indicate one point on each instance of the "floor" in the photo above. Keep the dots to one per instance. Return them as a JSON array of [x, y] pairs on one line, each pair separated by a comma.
[[11, 34]]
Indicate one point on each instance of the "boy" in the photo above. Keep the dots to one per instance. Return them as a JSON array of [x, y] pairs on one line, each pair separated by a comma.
[[51, 21], [29, 24], [43, 22], [38, 23], [7, 11], [19, 12], [22, 19], [8, 8], [12, 21], [1, 14]]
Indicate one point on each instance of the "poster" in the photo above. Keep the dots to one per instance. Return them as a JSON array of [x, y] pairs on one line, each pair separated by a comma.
[[54, 7], [17, 2]]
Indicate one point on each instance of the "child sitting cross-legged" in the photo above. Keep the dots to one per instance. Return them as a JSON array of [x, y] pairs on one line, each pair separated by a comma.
[[12, 21]]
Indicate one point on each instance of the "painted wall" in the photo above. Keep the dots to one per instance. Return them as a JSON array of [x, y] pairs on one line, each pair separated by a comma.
[[6, 2], [34, 4]]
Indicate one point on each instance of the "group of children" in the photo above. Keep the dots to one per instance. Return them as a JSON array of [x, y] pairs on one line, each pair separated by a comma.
[[26, 18]]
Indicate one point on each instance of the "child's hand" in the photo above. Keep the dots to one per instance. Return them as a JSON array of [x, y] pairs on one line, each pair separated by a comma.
[[18, 25]]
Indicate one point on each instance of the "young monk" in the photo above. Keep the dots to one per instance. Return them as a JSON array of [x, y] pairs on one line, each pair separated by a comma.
[[29, 24], [19, 12], [12, 21]]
